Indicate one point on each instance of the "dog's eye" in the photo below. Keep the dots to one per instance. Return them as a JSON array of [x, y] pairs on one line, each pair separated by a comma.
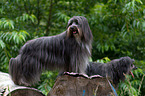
[[76, 22], [70, 23]]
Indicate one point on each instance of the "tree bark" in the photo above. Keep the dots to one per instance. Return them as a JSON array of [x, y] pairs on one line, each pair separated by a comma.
[[80, 85]]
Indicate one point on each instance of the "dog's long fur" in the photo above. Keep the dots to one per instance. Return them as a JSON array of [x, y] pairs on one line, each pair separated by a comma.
[[114, 69], [68, 51]]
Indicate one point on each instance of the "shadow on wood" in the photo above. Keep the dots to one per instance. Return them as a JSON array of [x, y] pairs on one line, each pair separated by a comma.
[[72, 84], [8, 88]]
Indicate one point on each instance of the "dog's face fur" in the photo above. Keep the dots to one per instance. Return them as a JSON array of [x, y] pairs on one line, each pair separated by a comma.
[[131, 67], [126, 65], [78, 27], [74, 28]]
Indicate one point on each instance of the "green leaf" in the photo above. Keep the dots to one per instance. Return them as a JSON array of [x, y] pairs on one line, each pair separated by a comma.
[[139, 1], [2, 44], [33, 18]]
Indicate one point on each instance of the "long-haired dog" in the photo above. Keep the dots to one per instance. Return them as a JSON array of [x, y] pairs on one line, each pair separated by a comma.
[[114, 69], [66, 52]]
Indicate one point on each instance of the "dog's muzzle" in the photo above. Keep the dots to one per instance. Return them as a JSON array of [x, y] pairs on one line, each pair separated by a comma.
[[74, 29], [134, 67]]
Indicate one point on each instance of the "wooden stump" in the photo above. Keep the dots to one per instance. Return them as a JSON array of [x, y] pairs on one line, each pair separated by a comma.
[[24, 91], [8, 88], [69, 84], [80, 85]]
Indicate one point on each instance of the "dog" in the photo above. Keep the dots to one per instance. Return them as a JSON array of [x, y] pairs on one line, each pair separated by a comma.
[[114, 69], [65, 52]]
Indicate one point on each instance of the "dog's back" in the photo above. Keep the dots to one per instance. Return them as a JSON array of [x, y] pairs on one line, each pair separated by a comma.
[[96, 68]]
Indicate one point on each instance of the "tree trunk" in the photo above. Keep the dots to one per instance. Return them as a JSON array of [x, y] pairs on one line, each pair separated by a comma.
[[69, 84], [80, 85]]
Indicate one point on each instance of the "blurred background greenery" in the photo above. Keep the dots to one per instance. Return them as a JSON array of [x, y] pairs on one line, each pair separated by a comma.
[[118, 27]]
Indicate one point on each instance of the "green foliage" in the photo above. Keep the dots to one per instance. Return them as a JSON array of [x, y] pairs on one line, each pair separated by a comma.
[[119, 29], [47, 81], [5, 23], [26, 17], [8, 44], [132, 86], [104, 60]]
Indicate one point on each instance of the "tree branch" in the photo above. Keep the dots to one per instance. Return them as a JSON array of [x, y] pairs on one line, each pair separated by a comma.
[[49, 18], [38, 12]]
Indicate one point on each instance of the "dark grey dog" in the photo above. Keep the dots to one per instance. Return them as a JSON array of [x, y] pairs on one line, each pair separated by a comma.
[[114, 69], [66, 52]]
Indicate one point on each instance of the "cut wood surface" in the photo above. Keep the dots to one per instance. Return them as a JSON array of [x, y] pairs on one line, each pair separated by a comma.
[[72, 84]]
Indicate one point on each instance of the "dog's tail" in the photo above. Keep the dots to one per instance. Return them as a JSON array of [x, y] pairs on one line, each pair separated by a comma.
[[22, 72], [15, 69]]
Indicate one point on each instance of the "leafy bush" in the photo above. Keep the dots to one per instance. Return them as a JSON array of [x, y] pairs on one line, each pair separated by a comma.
[[132, 86], [47, 81]]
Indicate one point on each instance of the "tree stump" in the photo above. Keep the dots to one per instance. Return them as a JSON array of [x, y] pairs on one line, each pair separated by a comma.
[[8, 88], [71, 84]]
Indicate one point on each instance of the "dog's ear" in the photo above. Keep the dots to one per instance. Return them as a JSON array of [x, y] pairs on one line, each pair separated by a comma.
[[122, 60], [133, 60], [68, 24]]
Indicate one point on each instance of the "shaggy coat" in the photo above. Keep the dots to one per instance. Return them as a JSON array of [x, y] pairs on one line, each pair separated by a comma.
[[66, 52], [113, 69]]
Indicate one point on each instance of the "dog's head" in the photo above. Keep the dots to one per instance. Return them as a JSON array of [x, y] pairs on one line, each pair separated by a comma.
[[78, 28], [128, 65]]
